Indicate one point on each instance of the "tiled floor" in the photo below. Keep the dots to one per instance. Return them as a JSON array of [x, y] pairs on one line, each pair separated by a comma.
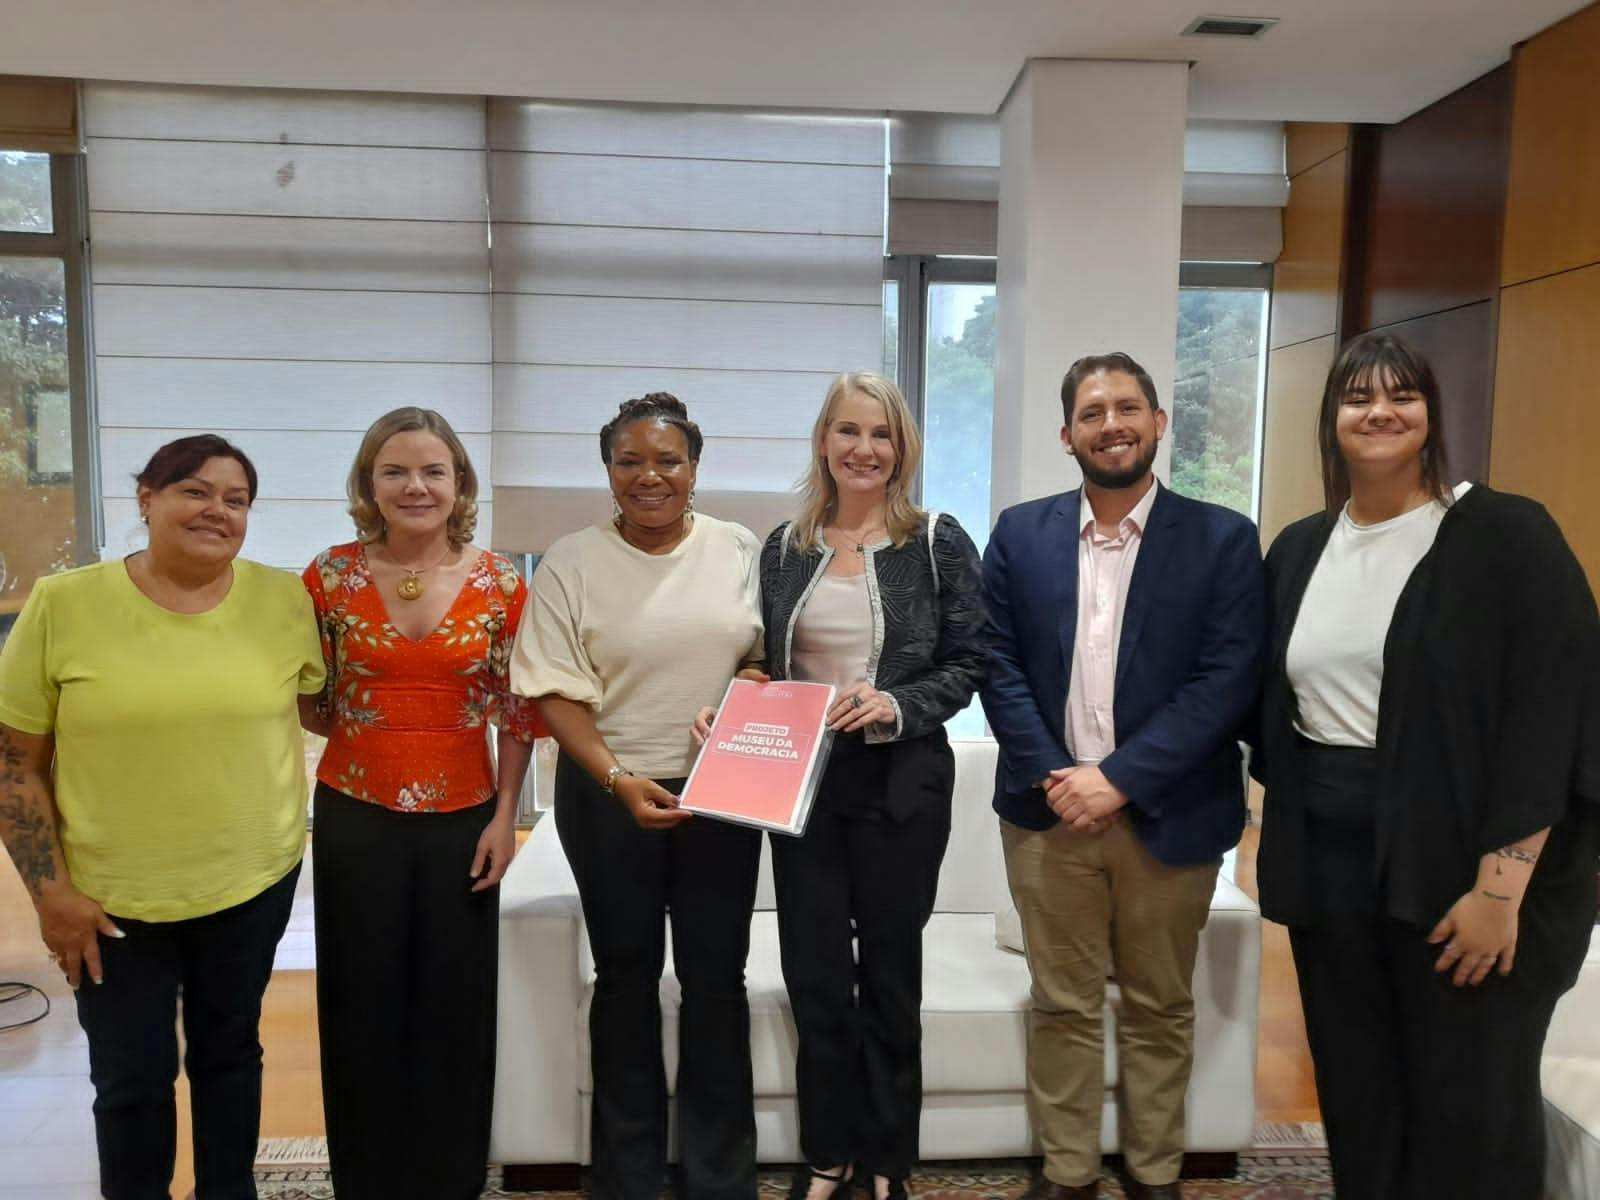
[[47, 1149], [47, 1136]]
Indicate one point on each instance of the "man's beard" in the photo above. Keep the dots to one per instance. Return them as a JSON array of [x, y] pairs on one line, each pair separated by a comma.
[[1120, 477]]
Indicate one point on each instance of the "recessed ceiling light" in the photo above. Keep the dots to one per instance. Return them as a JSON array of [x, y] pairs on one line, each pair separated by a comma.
[[1230, 27]]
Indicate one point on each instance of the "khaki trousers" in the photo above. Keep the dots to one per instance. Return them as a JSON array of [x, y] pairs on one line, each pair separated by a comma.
[[1093, 906]]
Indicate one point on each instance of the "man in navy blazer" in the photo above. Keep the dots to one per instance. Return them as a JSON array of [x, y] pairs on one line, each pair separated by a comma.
[[1126, 631]]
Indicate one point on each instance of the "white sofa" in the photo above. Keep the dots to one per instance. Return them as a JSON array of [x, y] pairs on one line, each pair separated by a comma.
[[975, 999], [1570, 1074]]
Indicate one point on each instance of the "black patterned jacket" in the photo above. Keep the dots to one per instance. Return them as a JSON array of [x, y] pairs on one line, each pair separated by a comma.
[[927, 620]]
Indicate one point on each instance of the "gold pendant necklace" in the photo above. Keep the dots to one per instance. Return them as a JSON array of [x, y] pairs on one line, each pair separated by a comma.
[[858, 543], [411, 587]]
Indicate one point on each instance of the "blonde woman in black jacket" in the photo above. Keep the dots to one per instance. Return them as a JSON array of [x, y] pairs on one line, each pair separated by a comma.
[[867, 592], [1425, 836]]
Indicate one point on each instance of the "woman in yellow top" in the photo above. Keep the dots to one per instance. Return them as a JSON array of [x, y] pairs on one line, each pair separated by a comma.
[[161, 851]]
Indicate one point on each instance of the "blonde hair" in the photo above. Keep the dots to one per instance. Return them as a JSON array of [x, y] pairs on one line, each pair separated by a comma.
[[370, 525], [819, 495]]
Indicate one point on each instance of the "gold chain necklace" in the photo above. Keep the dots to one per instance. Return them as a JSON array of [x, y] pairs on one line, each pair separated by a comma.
[[411, 587], [858, 543]]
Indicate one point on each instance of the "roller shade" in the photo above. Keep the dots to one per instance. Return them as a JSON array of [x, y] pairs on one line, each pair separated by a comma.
[[281, 268], [732, 258]]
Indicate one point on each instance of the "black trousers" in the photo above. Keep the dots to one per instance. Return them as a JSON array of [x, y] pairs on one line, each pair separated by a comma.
[[407, 957], [863, 875], [219, 964], [1427, 1090], [704, 873]]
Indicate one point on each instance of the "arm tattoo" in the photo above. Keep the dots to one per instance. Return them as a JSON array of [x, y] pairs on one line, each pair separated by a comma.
[[1516, 854], [30, 834]]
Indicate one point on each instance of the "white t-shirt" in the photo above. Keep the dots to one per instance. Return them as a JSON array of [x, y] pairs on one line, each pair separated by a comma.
[[645, 640], [1335, 656]]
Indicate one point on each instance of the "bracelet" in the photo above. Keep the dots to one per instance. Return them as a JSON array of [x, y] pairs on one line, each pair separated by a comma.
[[613, 773]]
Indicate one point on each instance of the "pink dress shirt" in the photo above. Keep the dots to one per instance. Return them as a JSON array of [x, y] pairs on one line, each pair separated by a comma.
[[1105, 568]]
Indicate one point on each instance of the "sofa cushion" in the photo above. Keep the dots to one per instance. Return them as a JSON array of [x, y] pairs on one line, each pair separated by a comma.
[[974, 1027]]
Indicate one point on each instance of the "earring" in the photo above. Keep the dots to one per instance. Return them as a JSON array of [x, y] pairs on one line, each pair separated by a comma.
[[690, 506], [616, 510], [144, 518]]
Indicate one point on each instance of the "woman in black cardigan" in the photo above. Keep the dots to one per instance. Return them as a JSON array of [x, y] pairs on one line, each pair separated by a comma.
[[1426, 836], [866, 591]]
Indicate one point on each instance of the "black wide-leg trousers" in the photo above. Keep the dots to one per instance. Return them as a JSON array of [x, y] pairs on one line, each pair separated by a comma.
[[854, 895], [1427, 1090], [219, 966], [702, 872], [407, 956]]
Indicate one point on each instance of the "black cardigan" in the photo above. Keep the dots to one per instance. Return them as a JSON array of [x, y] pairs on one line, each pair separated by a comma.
[[927, 614], [1483, 738]]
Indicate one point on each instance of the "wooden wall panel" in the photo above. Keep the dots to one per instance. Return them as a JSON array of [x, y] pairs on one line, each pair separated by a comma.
[[1433, 209], [1291, 473], [1553, 201], [39, 115], [1305, 297], [530, 518], [1308, 143], [1459, 343], [1547, 424]]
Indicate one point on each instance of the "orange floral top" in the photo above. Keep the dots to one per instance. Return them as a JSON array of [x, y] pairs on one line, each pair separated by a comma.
[[408, 717]]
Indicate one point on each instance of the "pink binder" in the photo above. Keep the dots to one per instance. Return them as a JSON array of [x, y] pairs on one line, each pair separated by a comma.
[[764, 758]]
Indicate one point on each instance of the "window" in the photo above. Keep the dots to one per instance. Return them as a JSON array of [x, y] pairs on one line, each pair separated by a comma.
[[944, 364], [1221, 373], [25, 193], [40, 289]]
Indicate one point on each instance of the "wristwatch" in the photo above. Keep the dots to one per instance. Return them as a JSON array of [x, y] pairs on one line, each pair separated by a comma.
[[613, 773]]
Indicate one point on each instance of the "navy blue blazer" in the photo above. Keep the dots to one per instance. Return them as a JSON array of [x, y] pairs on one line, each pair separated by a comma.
[[1189, 666]]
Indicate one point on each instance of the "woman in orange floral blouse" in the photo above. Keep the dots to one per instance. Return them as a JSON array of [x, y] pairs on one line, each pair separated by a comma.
[[413, 822]]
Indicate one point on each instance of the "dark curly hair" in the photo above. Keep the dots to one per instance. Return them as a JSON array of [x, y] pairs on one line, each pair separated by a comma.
[[656, 406], [182, 458]]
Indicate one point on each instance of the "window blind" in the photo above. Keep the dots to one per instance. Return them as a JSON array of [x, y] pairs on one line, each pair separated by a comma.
[[281, 268], [732, 258]]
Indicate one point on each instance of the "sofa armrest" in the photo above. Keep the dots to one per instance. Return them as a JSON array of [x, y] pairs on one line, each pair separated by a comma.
[[1227, 993], [543, 965], [1575, 1028]]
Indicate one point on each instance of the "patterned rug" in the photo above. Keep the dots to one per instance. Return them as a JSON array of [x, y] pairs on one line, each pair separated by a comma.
[[1288, 1163]]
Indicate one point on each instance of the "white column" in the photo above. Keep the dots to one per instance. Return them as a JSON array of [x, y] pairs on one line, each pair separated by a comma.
[[1091, 204]]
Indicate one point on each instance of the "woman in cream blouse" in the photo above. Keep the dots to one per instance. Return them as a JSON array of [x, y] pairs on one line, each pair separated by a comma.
[[632, 627]]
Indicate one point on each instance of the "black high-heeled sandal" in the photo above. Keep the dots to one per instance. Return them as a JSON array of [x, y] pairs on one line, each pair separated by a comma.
[[802, 1182]]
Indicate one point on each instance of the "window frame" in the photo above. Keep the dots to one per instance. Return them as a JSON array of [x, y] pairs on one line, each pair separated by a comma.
[[915, 273], [68, 241]]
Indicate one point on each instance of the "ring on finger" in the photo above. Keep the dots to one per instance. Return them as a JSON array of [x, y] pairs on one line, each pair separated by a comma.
[[855, 701]]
